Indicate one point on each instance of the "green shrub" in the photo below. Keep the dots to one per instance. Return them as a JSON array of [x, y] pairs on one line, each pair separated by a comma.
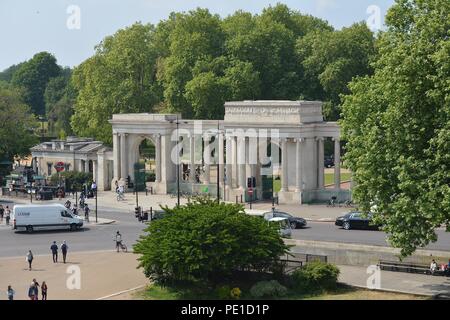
[[315, 276], [268, 289], [223, 292], [206, 242]]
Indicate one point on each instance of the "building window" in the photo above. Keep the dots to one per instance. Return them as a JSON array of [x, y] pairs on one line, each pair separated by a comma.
[[49, 169]]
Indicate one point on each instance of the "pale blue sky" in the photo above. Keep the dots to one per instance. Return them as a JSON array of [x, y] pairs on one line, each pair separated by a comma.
[[31, 26]]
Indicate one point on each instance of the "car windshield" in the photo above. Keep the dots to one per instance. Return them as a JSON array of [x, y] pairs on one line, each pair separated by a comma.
[[283, 214]]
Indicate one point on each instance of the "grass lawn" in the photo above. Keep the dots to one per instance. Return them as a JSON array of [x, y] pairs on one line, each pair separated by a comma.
[[154, 292]]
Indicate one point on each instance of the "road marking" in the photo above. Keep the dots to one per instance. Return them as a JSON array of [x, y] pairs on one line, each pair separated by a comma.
[[121, 292]]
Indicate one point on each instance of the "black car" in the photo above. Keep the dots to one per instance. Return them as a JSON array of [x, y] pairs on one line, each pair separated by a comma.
[[329, 162], [356, 220], [295, 222]]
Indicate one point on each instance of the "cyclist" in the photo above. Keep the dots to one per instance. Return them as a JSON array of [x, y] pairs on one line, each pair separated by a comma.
[[120, 192], [118, 239]]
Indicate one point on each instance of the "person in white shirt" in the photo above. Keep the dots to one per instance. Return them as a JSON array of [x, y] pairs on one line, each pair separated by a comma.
[[433, 266], [118, 239]]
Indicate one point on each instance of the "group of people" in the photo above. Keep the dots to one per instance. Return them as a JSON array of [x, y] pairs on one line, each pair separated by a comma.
[[33, 290], [54, 250], [5, 213], [83, 207], [443, 267]]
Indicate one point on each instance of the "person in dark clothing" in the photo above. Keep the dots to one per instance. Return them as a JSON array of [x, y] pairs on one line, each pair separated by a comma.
[[2, 213], [86, 213], [54, 249], [10, 292], [36, 289], [64, 248], [44, 290], [29, 259]]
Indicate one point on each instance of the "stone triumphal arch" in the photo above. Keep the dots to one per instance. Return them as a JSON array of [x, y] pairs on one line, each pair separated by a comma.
[[256, 139]]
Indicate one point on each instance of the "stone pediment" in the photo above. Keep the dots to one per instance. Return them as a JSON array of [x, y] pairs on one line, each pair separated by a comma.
[[275, 111]]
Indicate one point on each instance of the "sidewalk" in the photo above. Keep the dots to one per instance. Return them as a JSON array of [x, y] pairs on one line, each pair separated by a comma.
[[103, 273], [396, 281]]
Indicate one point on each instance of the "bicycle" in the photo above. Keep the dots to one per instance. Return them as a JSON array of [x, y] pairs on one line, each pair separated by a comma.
[[332, 202], [120, 196], [122, 246]]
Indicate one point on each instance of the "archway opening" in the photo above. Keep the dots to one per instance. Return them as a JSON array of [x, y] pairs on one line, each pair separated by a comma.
[[145, 166]]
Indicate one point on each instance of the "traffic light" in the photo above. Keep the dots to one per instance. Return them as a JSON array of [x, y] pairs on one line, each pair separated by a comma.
[[251, 182], [137, 212]]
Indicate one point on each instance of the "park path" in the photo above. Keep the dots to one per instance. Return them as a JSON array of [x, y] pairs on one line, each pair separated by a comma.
[[103, 273]]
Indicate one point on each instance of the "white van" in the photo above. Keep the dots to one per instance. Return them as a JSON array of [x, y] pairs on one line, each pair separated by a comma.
[[283, 223], [44, 217]]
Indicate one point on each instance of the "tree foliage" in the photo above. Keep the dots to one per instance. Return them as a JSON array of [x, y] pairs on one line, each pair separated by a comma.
[[16, 124], [397, 123], [33, 76], [206, 242], [119, 78]]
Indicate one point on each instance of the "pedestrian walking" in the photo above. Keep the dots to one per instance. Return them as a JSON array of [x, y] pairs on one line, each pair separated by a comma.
[[10, 292], [64, 249], [54, 249], [31, 291], [44, 290], [7, 215], [29, 258], [86, 212], [2, 212], [36, 289]]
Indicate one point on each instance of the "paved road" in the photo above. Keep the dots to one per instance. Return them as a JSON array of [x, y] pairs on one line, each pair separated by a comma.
[[92, 238], [101, 237], [325, 231]]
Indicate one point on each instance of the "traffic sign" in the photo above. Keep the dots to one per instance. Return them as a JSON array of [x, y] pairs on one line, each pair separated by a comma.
[[59, 166], [250, 191]]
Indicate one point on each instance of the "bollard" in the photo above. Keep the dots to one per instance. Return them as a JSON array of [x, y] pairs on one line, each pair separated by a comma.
[[241, 199], [146, 191], [151, 213], [151, 190], [236, 199]]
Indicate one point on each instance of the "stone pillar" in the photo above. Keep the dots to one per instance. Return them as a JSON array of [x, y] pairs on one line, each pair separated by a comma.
[[234, 164], [116, 155], [207, 159], [158, 157], [94, 171], [284, 169], [337, 163], [229, 159], [320, 164], [192, 158], [80, 166], [123, 156], [221, 159], [299, 171], [86, 165], [241, 162]]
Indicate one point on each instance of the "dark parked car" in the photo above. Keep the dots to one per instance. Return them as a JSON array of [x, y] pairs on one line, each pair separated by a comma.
[[329, 162], [295, 222], [356, 220]]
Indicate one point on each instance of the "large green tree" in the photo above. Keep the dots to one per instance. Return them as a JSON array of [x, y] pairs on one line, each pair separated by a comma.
[[206, 242], [330, 60], [397, 123], [119, 78], [33, 76], [17, 124]]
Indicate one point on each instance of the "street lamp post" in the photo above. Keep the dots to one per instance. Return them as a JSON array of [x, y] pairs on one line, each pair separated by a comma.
[[136, 186], [218, 163], [178, 166], [96, 218]]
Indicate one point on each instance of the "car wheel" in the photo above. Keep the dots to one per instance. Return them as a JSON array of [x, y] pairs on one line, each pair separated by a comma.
[[293, 225], [346, 225], [30, 229], [73, 227]]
